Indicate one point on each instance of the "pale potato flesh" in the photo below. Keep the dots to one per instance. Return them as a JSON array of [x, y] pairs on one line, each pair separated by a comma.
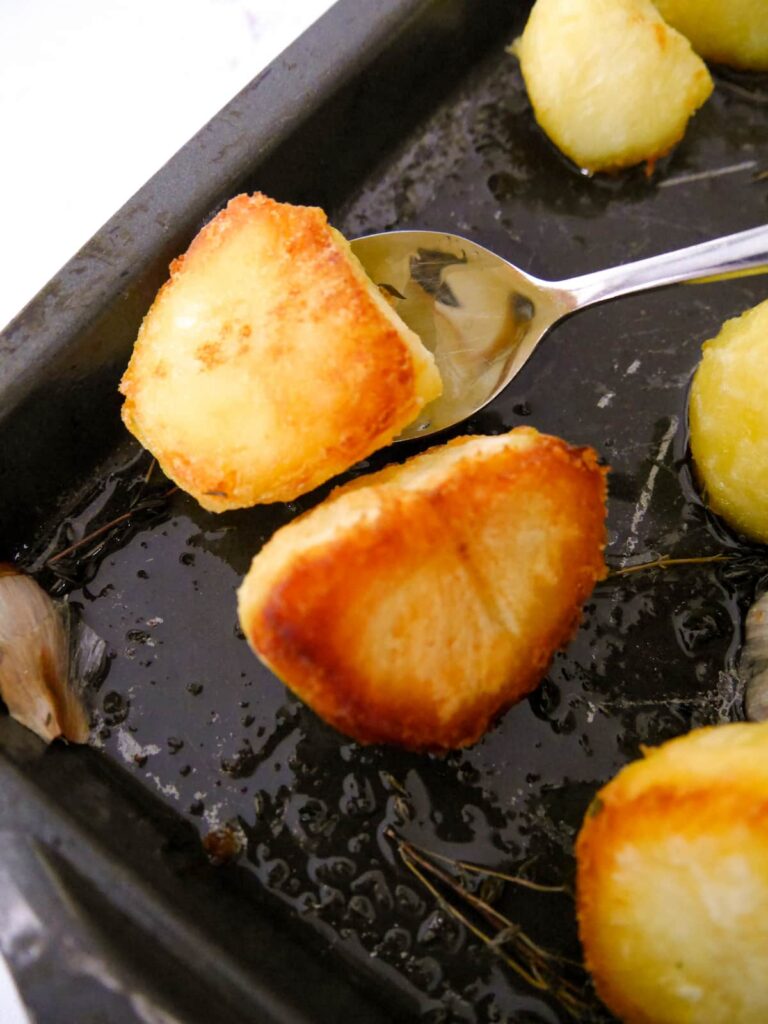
[[610, 83], [731, 32], [672, 882], [729, 422]]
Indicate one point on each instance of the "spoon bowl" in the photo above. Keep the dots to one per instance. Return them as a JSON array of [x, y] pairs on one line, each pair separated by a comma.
[[482, 317]]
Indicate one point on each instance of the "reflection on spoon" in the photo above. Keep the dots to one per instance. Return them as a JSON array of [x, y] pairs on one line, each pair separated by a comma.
[[482, 317]]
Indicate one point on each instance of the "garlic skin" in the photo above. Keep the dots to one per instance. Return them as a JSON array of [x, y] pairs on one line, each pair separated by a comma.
[[35, 661], [753, 667]]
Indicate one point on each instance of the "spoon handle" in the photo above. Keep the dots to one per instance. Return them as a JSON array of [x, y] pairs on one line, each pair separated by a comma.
[[730, 256]]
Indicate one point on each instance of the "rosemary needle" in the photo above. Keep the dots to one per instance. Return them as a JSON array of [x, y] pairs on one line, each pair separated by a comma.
[[665, 562], [103, 529], [478, 869]]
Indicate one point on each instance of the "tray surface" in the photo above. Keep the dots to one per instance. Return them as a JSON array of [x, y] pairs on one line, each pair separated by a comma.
[[188, 712]]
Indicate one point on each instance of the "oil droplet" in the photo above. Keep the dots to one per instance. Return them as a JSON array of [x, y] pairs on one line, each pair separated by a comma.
[[115, 708], [242, 764]]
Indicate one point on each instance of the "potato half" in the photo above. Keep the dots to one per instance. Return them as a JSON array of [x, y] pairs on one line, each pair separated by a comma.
[[672, 882], [415, 604], [610, 82], [731, 32], [269, 362], [728, 415]]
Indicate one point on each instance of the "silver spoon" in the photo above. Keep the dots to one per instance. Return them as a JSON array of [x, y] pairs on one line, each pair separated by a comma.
[[482, 317]]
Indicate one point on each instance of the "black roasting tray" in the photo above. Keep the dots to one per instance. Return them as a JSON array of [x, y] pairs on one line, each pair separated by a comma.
[[387, 113]]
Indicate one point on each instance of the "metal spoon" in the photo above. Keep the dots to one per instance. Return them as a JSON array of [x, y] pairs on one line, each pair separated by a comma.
[[482, 317]]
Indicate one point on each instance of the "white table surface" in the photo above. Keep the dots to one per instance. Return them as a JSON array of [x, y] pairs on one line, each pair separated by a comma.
[[95, 96]]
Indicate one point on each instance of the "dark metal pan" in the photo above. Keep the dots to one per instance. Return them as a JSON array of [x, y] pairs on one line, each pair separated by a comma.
[[407, 113]]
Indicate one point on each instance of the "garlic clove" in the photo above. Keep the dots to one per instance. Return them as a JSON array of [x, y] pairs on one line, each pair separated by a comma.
[[35, 661], [753, 666]]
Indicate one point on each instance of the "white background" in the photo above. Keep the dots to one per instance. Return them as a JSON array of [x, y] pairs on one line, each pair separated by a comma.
[[95, 96]]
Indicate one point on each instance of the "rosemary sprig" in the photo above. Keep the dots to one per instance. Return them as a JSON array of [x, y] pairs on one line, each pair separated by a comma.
[[529, 977], [537, 966]]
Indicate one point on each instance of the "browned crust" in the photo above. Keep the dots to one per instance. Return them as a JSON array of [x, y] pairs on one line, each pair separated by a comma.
[[616, 822], [307, 628], [324, 297]]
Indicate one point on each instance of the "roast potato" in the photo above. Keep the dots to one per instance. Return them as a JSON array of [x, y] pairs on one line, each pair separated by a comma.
[[270, 362], [610, 82], [672, 882], [415, 604], [731, 32], [728, 414]]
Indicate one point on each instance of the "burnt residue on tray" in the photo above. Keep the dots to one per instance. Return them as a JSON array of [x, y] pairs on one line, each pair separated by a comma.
[[189, 712]]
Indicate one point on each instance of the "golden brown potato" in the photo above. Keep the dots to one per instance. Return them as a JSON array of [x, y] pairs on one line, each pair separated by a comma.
[[672, 882], [269, 362], [728, 414], [731, 32], [610, 83], [415, 604]]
